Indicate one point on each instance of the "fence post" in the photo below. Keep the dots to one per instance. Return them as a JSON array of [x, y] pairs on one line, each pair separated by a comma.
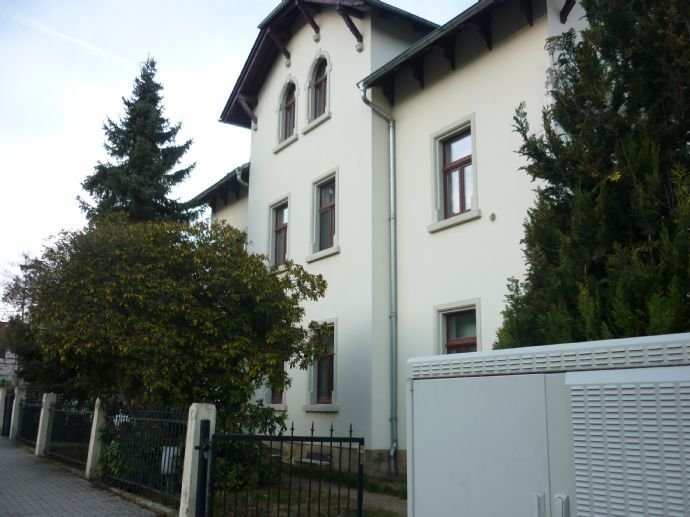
[[19, 394], [95, 445], [43, 435], [3, 393], [188, 496]]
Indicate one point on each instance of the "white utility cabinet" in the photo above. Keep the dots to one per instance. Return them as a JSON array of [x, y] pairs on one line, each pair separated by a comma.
[[583, 429]]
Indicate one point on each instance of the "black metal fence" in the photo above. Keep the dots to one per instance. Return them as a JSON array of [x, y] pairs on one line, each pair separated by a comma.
[[7, 414], [253, 475], [29, 416], [70, 432], [143, 452]]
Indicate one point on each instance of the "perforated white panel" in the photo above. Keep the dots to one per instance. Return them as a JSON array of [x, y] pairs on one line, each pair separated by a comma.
[[669, 350], [631, 447]]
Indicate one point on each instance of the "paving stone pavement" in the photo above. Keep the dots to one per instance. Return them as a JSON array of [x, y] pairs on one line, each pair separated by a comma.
[[35, 487]]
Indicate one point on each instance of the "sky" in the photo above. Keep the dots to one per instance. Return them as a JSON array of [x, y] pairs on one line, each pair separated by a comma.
[[65, 66]]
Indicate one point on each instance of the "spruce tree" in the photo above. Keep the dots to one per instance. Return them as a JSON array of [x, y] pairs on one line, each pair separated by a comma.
[[142, 146], [607, 244]]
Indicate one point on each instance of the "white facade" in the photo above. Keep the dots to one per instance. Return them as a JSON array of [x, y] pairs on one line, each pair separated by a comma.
[[444, 263]]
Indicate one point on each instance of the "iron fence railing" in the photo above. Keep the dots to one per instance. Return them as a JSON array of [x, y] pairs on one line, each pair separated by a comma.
[[70, 432], [285, 475], [29, 416], [7, 414], [143, 452]]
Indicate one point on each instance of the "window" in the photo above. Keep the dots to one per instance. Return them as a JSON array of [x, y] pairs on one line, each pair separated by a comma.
[[460, 331], [454, 176], [326, 215], [280, 233], [276, 396], [458, 179], [319, 89], [287, 122], [324, 369], [324, 236]]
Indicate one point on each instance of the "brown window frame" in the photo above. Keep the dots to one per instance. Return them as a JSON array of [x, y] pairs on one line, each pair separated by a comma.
[[458, 345], [320, 89], [448, 168], [289, 112], [278, 229], [329, 208], [326, 361]]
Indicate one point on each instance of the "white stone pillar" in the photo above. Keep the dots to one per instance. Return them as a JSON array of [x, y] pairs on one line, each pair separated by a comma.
[[44, 424], [19, 394], [188, 496], [95, 444]]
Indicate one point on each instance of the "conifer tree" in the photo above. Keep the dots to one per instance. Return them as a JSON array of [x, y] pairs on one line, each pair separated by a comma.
[[142, 146], [607, 244]]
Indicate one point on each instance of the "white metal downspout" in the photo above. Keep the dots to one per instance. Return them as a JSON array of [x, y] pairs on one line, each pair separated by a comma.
[[393, 282]]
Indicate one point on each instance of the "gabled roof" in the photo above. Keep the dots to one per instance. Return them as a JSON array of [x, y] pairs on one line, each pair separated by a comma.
[[477, 17], [274, 33], [228, 182]]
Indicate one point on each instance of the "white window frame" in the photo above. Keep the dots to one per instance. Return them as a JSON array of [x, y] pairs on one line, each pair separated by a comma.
[[312, 122], [281, 141], [312, 406], [440, 312], [315, 253], [285, 200], [439, 221]]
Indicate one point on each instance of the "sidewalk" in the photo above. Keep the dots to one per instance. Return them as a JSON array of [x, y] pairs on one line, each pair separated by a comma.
[[35, 487]]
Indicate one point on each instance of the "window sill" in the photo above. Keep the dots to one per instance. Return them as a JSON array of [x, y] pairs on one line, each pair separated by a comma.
[[454, 221], [321, 408], [333, 250], [281, 408], [282, 145], [316, 122]]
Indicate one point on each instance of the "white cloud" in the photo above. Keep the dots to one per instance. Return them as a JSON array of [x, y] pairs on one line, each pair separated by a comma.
[[31, 23]]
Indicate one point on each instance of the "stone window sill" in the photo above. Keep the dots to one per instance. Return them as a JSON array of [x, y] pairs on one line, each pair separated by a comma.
[[316, 122], [333, 250], [321, 408], [454, 221], [282, 145]]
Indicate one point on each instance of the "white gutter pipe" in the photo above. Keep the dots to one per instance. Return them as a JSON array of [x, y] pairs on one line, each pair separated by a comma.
[[238, 175], [393, 282]]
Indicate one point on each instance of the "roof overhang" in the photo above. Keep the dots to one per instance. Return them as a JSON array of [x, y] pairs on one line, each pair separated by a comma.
[[477, 16], [229, 182], [441, 37], [274, 33]]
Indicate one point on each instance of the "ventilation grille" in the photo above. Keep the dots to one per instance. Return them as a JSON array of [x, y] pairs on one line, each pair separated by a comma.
[[620, 353], [631, 446]]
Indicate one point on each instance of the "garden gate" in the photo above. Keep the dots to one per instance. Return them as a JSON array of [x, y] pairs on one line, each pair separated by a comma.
[[282, 475]]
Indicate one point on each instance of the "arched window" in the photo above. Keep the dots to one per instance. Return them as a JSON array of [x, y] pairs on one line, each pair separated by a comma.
[[319, 89], [287, 123]]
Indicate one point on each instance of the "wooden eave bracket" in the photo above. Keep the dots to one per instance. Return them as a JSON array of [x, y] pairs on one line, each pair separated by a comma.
[[418, 70], [388, 88], [346, 14], [308, 16], [448, 47], [483, 23], [278, 43], [247, 104], [526, 8], [235, 187], [567, 7]]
